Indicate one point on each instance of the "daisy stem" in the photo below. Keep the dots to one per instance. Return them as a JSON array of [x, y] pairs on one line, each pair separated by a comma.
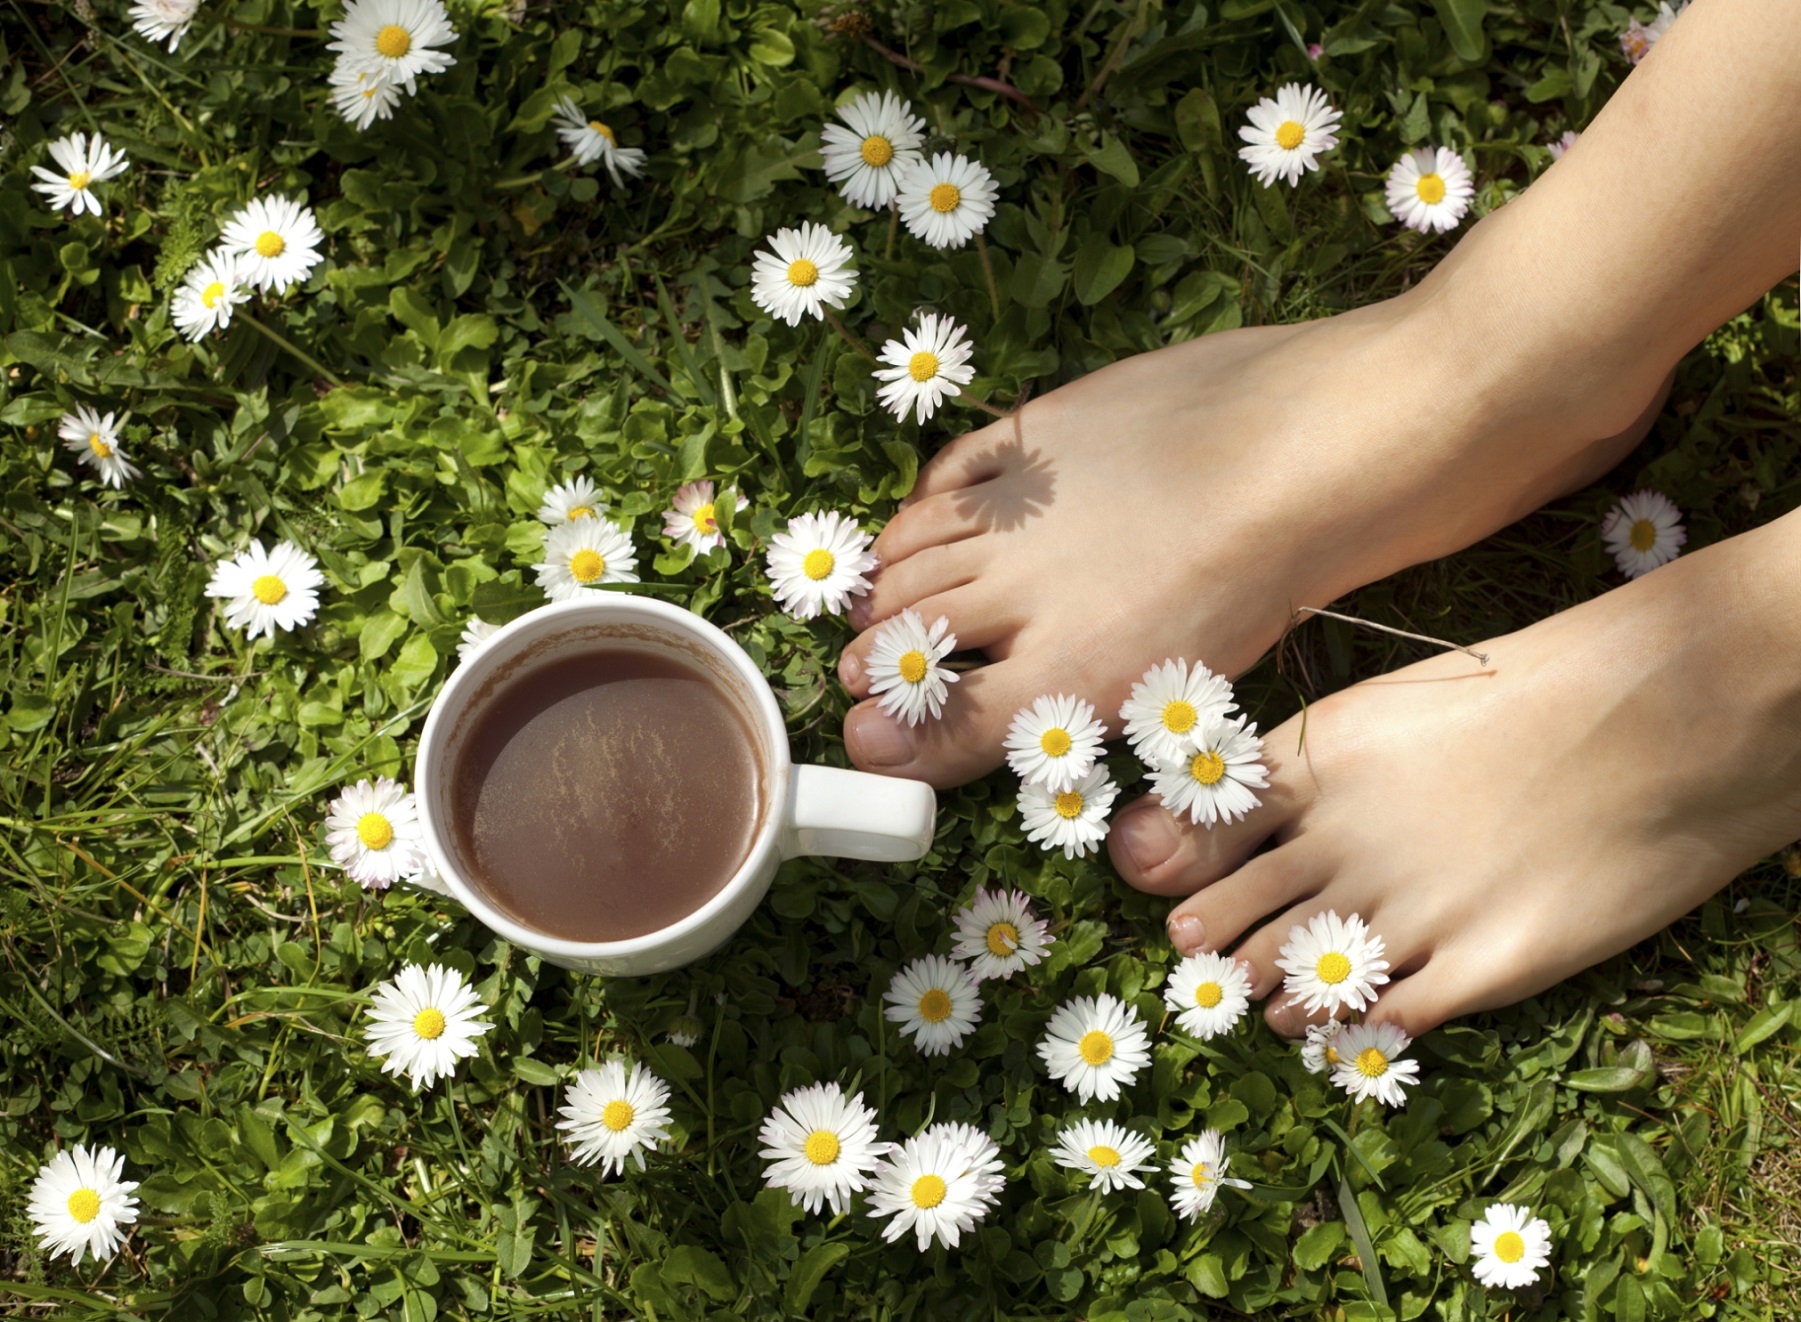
[[994, 293], [238, 25], [849, 339], [982, 404], [294, 349], [893, 225], [522, 180]]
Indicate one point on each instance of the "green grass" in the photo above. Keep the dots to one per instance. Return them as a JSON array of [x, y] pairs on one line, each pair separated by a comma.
[[184, 974]]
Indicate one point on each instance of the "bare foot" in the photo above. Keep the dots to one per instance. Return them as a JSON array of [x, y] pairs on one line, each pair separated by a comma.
[[1502, 827], [1179, 503]]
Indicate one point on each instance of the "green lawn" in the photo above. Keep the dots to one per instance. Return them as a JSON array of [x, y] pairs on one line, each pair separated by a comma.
[[185, 974]]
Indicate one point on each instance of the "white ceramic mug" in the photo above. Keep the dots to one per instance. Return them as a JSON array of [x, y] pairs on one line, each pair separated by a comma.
[[805, 810]]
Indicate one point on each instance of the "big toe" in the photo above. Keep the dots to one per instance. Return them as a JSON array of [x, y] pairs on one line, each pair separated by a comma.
[[961, 746]]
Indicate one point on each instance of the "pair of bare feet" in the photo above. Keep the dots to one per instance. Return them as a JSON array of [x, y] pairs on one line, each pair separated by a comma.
[[1501, 826]]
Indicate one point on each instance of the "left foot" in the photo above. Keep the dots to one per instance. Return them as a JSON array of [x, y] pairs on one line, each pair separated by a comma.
[[1503, 826]]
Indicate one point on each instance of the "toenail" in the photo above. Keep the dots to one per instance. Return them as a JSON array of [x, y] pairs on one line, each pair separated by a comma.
[[1187, 933], [1149, 837], [850, 670], [876, 741]]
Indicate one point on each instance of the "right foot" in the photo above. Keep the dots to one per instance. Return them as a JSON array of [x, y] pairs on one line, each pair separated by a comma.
[[1180, 503]]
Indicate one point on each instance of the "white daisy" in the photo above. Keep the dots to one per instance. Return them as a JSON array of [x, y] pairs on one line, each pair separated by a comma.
[[1638, 38], [947, 200], [163, 20], [1288, 133], [584, 554], [686, 1031], [1332, 962], [475, 633], [83, 162], [1198, 1172], [867, 159], [570, 501], [692, 517], [374, 833], [611, 1115], [78, 1203], [423, 1022], [207, 295], [1109, 1153], [936, 1002], [938, 1185], [1171, 707], [1214, 782], [394, 39], [1320, 1051], [1054, 742], [819, 564], [821, 1146], [267, 590], [1509, 1245], [277, 241], [1074, 821], [924, 367], [1643, 531], [95, 441], [1563, 144], [361, 96], [1369, 1063], [999, 935], [805, 270], [904, 667], [1094, 1046], [590, 140], [1430, 189], [1209, 993]]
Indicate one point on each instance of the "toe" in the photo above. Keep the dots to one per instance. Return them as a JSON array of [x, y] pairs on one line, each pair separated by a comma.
[[934, 521], [971, 458], [980, 615], [935, 570], [1157, 852], [959, 747], [1219, 914]]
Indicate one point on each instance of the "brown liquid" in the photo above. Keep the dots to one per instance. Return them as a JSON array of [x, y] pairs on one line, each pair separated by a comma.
[[605, 795]]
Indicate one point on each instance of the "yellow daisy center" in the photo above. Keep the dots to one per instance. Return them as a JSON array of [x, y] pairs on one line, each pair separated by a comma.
[[375, 830], [617, 1115], [84, 1206], [1333, 967], [1201, 1176], [935, 1006], [877, 150], [1332, 1056], [1003, 939], [429, 1024], [802, 273], [580, 512], [1371, 1063], [1055, 741], [1290, 135], [913, 666], [369, 92], [928, 1191], [268, 589], [79, 180], [213, 293], [603, 130], [822, 1147], [1208, 995], [270, 244], [1431, 189], [1179, 716], [944, 197], [1509, 1247], [1102, 1155], [97, 443], [818, 564], [1069, 805], [705, 519], [1207, 767], [1642, 535], [585, 566], [393, 41], [1096, 1047], [922, 366]]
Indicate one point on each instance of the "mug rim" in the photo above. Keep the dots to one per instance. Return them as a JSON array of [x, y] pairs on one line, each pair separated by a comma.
[[679, 620]]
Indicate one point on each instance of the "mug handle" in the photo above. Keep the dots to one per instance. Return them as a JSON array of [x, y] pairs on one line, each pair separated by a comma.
[[852, 814]]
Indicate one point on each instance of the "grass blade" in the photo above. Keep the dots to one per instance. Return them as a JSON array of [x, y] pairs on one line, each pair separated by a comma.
[[1360, 1236], [588, 308]]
